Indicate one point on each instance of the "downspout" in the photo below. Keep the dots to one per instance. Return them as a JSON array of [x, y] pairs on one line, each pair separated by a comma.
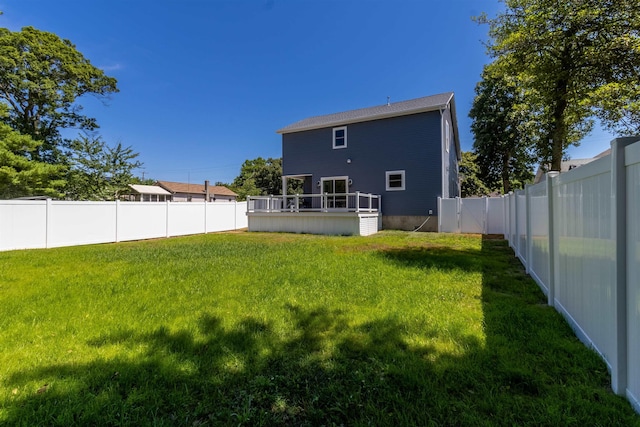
[[443, 151]]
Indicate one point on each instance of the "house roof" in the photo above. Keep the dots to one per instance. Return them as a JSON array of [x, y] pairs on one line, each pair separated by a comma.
[[412, 106], [149, 189], [181, 187], [570, 164]]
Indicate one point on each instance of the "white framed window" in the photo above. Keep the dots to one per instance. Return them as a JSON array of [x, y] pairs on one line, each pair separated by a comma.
[[340, 137], [395, 180]]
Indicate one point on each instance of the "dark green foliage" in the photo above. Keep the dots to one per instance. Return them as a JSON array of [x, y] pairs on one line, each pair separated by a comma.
[[20, 174], [500, 128], [261, 177], [41, 77], [572, 60], [99, 171], [470, 183]]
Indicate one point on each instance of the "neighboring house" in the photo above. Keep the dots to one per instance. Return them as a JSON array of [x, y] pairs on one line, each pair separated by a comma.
[[568, 165], [407, 152], [184, 192], [148, 193]]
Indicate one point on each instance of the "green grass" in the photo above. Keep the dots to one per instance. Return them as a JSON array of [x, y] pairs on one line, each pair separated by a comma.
[[279, 329]]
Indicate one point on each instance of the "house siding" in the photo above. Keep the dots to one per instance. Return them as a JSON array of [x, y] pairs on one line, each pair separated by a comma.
[[412, 143], [450, 159]]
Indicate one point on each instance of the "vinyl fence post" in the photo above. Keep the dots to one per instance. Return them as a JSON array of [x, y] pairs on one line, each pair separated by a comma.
[[47, 226], [167, 218], [117, 221], [205, 216], [553, 241], [459, 214], [529, 248], [439, 214], [485, 218], [505, 216], [619, 227], [516, 244]]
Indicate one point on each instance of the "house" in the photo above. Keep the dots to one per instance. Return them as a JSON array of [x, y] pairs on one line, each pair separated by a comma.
[[568, 165], [186, 192], [148, 193], [407, 152]]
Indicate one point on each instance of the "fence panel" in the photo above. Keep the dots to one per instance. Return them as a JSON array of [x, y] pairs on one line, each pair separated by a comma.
[[539, 239], [242, 221], [448, 216], [585, 288], [81, 223], [23, 224], [139, 221], [495, 215], [632, 156], [221, 216], [472, 215], [521, 226], [513, 229], [29, 224], [186, 218]]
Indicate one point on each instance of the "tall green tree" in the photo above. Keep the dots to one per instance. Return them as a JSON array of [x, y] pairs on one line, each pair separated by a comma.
[[20, 174], [261, 176], [565, 55], [470, 183], [41, 77], [99, 171], [502, 129]]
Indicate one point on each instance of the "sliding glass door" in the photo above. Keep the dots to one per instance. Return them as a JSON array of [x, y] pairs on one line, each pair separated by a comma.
[[336, 189]]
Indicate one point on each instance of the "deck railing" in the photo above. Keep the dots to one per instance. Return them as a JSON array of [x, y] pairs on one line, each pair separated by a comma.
[[334, 202]]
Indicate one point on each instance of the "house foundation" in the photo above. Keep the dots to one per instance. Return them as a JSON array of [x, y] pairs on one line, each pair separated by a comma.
[[409, 222]]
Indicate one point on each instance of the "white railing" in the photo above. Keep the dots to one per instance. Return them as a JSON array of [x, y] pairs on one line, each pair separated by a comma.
[[578, 236], [338, 202], [31, 224]]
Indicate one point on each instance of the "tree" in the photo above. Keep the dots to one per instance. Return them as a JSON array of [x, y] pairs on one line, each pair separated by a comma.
[[20, 175], [470, 184], [565, 55], [98, 171], [41, 76], [619, 108], [260, 177], [501, 132]]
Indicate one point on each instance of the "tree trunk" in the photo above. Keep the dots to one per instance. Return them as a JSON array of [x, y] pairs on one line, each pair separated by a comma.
[[559, 131], [506, 182]]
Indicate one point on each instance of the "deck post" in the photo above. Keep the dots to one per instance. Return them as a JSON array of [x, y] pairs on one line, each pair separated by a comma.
[[357, 201]]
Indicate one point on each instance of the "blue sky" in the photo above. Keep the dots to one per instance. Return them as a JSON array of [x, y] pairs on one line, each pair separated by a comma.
[[204, 85]]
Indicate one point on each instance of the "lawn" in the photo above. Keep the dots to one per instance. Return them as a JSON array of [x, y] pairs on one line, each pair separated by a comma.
[[280, 329]]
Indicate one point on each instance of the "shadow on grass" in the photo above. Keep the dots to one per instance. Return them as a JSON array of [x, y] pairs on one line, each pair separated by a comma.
[[529, 371]]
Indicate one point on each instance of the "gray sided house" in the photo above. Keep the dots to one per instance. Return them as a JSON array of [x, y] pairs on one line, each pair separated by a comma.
[[407, 152]]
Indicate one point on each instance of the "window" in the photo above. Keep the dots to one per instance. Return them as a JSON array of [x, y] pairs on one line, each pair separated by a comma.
[[340, 137], [395, 180]]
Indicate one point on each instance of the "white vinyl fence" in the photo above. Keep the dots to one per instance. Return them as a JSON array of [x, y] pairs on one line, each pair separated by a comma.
[[31, 224], [578, 236]]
